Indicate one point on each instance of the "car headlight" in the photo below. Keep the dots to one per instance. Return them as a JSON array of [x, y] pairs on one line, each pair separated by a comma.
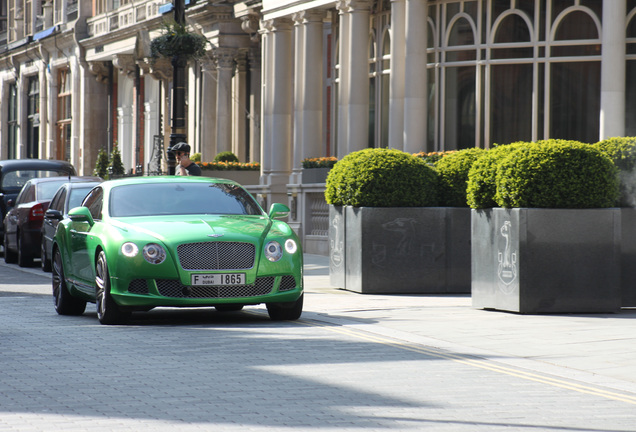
[[154, 253], [129, 249], [273, 251], [290, 246]]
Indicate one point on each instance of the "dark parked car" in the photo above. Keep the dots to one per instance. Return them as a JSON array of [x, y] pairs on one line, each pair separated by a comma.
[[16, 172], [68, 196], [23, 222]]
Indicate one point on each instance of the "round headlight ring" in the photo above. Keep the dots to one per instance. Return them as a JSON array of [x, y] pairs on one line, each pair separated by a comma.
[[273, 251], [129, 249], [290, 246], [154, 253]]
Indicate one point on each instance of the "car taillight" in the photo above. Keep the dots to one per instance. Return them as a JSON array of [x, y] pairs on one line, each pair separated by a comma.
[[37, 213]]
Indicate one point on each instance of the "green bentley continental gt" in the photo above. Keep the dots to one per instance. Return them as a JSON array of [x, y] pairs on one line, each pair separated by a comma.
[[145, 242]]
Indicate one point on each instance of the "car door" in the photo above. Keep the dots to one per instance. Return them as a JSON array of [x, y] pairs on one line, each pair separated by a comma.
[[79, 231], [50, 223], [16, 213]]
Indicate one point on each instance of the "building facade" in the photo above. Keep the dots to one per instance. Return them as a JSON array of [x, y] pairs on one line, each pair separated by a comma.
[[286, 80]]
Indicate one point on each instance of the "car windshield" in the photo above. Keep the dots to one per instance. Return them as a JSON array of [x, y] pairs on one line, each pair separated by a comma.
[[181, 198], [14, 180], [47, 189], [77, 196]]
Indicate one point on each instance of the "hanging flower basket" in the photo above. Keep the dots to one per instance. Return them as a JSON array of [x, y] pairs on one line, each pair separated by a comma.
[[176, 40]]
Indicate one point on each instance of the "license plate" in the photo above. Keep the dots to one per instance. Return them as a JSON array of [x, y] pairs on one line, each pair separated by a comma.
[[218, 279]]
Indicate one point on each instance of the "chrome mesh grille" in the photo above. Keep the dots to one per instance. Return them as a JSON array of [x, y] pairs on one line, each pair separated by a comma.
[[216, 256], [174, 288], [138, 286], [287, 283]]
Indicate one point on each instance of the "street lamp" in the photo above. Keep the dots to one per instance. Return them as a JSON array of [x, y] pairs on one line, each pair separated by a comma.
[[178, 123]]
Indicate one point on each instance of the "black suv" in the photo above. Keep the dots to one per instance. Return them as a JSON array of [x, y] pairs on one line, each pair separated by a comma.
[[16, 172]]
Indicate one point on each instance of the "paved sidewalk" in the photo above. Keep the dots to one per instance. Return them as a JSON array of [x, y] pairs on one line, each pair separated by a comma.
[[595, 348]]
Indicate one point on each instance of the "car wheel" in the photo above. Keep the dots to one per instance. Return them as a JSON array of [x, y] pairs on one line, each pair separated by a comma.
[[24, 258], [107, 310], [286, 311], [65, 303], [46, 262], [228, 307], [10, 257]]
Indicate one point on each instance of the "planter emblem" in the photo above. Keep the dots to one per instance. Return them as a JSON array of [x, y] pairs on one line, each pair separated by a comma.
[[337, 243], [507, 269]]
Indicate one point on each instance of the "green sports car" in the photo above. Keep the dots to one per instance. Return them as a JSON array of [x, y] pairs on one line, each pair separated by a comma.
[[144, 242]]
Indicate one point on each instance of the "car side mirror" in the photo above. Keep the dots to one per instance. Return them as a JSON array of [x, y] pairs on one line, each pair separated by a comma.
[[53, 214], [278, 210], [81, 214], [10, 202]]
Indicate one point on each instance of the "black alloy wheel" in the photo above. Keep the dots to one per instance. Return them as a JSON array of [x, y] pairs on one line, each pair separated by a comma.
[[108, 312], [65, 303]]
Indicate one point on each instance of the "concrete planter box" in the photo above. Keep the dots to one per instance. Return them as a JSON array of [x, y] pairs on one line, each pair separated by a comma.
[[243, 177], [628, 257], [315, 175], [546, 260], [416, 250]]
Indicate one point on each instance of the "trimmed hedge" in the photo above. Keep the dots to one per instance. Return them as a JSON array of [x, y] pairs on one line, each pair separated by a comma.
[[380, 177], [622, 151], [482, 176], [453, 171], [556, 174], [226, 156]]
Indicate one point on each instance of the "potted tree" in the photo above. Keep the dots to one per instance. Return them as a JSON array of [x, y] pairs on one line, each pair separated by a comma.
[[386, 231], [553, 244]]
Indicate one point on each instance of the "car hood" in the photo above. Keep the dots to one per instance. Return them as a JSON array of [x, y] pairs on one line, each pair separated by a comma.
[[199, 228]]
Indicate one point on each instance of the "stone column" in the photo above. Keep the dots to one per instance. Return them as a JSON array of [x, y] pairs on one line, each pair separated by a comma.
[[343, 84], [43, 138], [93, 133], [267, 42], [4, 107], [208, 111], [612, 121], [358, 76], [254, 58], [240, 107], [312, 104], [299, 82], [281, 114], [76, 112], [225, 65], [415, 77], [396, 98]]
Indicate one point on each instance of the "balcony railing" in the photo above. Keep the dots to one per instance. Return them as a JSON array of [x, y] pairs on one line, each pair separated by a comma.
[[122, 17]]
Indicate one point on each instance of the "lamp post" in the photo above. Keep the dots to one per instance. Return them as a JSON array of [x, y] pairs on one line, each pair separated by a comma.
[[178, 123]]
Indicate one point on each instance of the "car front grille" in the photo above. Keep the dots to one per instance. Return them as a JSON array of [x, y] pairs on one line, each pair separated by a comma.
[[138, 286], [174, 288], [287, 283], [216, 256]]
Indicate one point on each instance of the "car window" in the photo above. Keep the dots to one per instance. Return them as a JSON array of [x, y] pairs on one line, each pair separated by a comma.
[[57, 203], [15, 180], [27, 194], [181, 198], [94, 201], [77, 196], [46, 190]]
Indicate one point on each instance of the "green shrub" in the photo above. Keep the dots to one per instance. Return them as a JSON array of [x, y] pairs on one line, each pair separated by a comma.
[[115, 162], [381, 178], [482, 187], [453, 171], [226, 156], [101, 165], [556, 174], [622, 151], [196, 157]]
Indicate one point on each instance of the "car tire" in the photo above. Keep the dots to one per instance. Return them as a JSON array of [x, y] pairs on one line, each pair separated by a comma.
[[65, 303], [46, 262], [228, 307], [10, 257], [287, 311], [108, 312], [24, 259]]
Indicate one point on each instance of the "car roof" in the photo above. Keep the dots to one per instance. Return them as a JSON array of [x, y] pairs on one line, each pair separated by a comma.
[[69, 179], [15, 164], [164, 179]]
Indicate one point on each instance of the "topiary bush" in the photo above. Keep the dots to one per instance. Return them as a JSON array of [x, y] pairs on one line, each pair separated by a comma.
[[196, 157], [101, 165], [381, 177], [556, 174], [453, 171], [481, 187], [226, 156], [622, 151]]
